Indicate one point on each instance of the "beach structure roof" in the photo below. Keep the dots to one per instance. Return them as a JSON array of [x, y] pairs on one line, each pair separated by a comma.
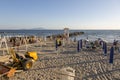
[[66, 28]]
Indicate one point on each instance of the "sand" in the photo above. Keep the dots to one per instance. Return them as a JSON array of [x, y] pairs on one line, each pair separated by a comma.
[[88, 64]]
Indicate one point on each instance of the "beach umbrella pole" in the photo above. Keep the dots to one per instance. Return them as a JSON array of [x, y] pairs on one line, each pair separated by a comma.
[[78, 46], [56, 46], [111, 55], [81, 44], [105, 49]]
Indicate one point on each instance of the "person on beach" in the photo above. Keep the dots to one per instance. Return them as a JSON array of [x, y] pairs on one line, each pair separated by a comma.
[[59, 43], [93, 46], [97, 43], [87, 44]]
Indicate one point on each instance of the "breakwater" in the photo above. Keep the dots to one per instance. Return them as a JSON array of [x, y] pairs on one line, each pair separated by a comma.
[[72, 34]]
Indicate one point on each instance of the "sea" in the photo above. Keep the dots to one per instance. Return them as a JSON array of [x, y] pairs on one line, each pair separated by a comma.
[[107, 35]]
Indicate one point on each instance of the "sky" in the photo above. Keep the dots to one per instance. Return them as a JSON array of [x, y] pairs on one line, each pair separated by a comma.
[[58, 14]]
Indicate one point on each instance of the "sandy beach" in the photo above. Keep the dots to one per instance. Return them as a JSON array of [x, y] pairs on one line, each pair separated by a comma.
[[59, 39], [89, 64]]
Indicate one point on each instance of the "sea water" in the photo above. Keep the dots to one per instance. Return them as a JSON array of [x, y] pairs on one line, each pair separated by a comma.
[[108, 35]]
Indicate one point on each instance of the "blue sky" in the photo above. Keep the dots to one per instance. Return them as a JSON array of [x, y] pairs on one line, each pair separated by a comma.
[[57, 14]]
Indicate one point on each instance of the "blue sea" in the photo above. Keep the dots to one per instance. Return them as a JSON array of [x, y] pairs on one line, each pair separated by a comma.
[[108, 35]]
